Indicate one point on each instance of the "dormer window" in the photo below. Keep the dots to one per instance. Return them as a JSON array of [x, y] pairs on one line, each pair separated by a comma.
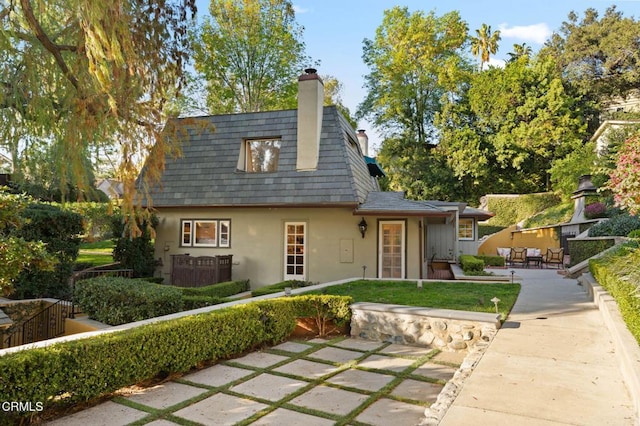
[[261, 155]]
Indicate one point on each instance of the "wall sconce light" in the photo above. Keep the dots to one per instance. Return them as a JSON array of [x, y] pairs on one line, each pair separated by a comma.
[[362, 226]]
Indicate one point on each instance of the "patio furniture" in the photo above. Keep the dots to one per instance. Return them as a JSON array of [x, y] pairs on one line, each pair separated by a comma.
[[534, 258], [518, 255], [554, 256]]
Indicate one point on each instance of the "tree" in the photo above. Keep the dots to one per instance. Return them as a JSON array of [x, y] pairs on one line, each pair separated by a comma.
[[520, 51], [250, 53], [600, 56], [485, 44], [77, 75], [415, 61], [625, 178], [504, 133]]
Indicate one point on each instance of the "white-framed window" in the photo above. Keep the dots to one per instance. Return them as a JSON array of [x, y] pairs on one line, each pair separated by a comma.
[[206, 233], [465, 229], [261, 155]]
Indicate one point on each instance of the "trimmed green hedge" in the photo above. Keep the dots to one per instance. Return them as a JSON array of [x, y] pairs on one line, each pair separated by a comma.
[[584, 249], [116, 300], [76, 371], [491, 260], [618, 273], [219, 290], [471, 265]]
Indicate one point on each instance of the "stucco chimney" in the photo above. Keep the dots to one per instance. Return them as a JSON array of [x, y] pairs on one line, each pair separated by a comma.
[[363, 139], [310, 104]]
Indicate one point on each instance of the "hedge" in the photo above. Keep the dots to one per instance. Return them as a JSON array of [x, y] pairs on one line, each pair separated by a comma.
[[619, 226], [219, 290], [471, 265], [117, 300], [584, 249], [491, 260], [618, 273], [76, 371]]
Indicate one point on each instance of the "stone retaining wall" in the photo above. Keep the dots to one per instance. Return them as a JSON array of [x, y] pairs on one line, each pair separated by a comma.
[[443, 329]]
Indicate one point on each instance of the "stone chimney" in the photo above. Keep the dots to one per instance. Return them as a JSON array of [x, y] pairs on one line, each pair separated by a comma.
[[585, 188], [363, 139], [310, 107]]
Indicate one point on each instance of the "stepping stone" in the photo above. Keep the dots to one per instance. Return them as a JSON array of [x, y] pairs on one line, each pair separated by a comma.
[[166, 395], [360, 379], [435, 371], [217, 375], [260, 359], [269, 387], [360, 344], [304, 368], [282, 416], [450, 357], [381, 362], [294, 347], [106, 414], [220, 409], [335, 355], [330, 400], [418, 390], [406, 350], [379, 413]]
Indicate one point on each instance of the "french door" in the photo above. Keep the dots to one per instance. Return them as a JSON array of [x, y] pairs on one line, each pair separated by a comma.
[[295, 253], [391, 249]]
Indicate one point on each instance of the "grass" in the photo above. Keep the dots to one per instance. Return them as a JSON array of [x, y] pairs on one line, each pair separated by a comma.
[[460, 296], [97, 253]]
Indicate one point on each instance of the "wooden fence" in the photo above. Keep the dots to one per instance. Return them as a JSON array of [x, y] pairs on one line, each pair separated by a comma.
[[188, 271]]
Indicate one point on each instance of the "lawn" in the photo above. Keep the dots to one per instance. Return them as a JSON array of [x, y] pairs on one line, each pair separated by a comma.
[[460, 296], [97, 253]]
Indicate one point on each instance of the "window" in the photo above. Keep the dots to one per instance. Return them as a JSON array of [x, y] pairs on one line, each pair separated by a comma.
[[206, 233], [261, 155], [465, 229]]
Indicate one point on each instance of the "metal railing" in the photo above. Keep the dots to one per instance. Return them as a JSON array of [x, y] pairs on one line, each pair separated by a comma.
[[46, 324]]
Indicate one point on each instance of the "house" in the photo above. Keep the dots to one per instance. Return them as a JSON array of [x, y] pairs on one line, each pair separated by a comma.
[[111, 187], [291, 195]]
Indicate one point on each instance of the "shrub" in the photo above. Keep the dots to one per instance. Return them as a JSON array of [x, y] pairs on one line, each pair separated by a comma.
[[471, 265], [634, 234], [134, 253], [619, 226], [491, 260], [618, 273], [77, 371], [59, 230], [584, 249], [219, 290], [196, 302], [115, 300], [595, 211]]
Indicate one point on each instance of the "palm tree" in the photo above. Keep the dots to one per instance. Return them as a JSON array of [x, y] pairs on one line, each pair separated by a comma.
[[520, 50], [485, 44]]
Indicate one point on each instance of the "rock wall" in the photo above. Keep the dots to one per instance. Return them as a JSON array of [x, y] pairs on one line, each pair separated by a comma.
[[442, 329]]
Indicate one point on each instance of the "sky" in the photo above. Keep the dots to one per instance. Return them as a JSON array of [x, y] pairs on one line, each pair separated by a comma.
[[334, 30]]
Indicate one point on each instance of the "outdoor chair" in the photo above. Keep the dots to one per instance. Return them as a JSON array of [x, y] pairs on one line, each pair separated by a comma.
[[518, 255], [554, 256]]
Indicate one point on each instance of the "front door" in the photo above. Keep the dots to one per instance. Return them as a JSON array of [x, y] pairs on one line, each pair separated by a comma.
[[391, 250], [295, 251]]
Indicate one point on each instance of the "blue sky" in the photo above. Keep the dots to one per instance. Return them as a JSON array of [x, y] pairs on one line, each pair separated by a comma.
[[334, 30]]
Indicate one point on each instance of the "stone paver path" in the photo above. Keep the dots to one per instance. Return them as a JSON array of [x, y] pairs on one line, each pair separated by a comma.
[[317, 382]]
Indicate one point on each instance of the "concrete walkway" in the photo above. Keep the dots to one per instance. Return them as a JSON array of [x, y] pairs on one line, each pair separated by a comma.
[[552, 363]]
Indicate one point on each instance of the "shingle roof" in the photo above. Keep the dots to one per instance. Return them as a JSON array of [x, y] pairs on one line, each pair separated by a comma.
[[393, 203], [207, 175]]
